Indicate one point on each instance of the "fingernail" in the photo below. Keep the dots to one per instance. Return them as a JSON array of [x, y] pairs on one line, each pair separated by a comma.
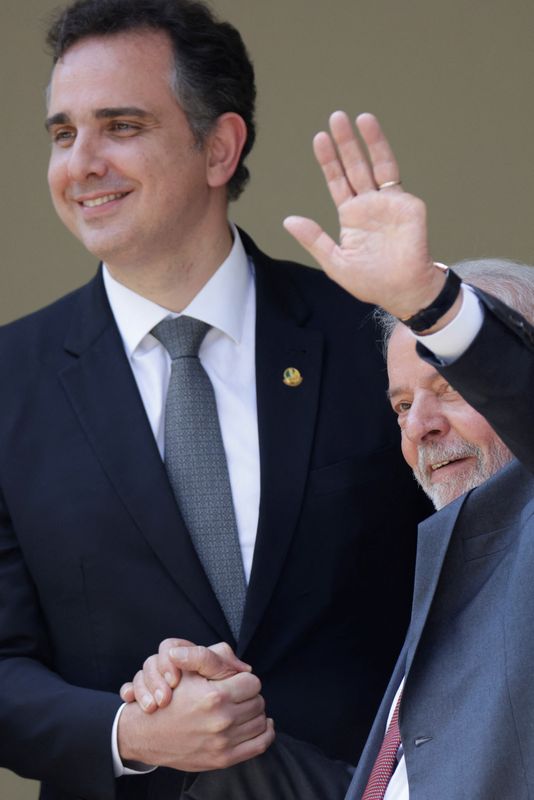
[[159, 696], [180, 653], [146, 701], [170, 679]]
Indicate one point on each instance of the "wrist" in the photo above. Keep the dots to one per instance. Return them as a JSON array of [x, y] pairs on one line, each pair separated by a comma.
[[442, 308], [130, 739]]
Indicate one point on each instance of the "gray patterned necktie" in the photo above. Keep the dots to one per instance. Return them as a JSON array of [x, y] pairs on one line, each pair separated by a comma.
[[196, 465]]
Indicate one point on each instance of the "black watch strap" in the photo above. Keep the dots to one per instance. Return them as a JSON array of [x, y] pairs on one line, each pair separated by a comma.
[[427, 317]]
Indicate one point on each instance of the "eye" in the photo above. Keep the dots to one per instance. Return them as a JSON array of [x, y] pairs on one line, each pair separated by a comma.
[[401, 407], [63, 136], [450, 391], [124, 128]]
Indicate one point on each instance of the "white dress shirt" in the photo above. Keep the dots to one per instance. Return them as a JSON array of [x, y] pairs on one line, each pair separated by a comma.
[[227, 302], [447, 344]]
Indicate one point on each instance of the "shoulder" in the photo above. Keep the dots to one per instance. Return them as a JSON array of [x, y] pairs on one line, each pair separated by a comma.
[[41, 331]]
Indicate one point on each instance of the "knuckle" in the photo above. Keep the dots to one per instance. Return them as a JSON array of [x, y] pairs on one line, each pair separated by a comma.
[[217, 727], [214, 699], [166, 645], [220, 742], [252, 682], [147, 663], [223, 648]]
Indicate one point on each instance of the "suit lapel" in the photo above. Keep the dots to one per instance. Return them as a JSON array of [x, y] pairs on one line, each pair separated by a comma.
[[286, 419], [433, 540], [102, 390]]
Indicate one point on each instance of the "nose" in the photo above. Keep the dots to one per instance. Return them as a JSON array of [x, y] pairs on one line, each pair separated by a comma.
[[85, 159], [426, 420]]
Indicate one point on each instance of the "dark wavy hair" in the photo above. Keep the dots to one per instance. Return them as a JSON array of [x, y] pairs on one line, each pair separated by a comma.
[[213, 72]]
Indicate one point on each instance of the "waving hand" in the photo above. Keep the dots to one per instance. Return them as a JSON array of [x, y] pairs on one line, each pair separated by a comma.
[[382, 254]]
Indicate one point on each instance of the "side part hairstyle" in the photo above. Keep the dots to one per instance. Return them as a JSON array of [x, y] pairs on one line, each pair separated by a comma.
[[213, 73]]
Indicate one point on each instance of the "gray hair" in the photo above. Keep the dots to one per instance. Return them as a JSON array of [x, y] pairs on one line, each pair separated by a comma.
[[509, 281]]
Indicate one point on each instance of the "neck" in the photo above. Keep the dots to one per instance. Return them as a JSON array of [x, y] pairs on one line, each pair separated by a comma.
[[173, 281]]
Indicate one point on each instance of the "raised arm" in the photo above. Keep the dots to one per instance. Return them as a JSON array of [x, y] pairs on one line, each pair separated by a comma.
[[382, 257]]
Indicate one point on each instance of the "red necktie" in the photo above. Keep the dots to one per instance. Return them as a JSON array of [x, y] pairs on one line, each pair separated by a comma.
[[386, 760]]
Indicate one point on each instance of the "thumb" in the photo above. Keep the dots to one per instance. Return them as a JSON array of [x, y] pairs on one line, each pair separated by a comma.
[[203, 661], [312, 238]]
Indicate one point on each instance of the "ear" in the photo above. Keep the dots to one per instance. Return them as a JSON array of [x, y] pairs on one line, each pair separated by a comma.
[[224, 146]]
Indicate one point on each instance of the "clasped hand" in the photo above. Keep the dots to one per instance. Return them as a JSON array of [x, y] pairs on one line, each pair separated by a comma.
[[210, 713]]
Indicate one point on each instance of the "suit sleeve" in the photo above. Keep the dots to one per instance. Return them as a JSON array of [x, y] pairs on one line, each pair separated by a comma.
[[49, 730], [496, 376]]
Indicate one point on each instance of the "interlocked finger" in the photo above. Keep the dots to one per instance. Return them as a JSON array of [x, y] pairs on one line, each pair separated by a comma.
[[248, 730]]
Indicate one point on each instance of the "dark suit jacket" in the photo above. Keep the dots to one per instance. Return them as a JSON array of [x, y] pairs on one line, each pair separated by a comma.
[[467, 714], [96, 566]]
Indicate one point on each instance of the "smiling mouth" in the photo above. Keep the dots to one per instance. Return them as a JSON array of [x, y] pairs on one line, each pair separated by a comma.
[[440, 464], [101, 201]]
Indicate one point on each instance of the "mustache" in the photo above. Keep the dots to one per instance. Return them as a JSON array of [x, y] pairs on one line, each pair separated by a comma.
[[436, 452]]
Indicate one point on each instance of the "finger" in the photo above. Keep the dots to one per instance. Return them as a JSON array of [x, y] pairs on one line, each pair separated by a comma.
[[241, 687], [253, 747], [248, 730], [353, 157], [334, 174], [127, 693], [312, 238], [142, 695], [170, 671], [155, 682], [224, 650], [202, 660], [249, 709], [382, 158]]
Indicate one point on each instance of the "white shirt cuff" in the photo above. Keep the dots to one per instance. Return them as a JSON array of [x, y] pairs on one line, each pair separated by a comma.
[[118, 767], [452, 341]]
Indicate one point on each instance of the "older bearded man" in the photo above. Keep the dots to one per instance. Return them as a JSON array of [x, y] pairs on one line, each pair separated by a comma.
[[457, 718]]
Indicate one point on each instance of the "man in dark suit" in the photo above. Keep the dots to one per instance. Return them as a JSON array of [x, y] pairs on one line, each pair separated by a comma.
[[150, 115], [457, 718]]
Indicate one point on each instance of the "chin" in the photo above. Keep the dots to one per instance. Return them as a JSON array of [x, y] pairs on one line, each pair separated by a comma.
[[444, 492]]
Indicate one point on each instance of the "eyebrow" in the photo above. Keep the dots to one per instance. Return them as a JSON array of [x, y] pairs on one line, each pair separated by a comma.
[[391, 393], [102, 113]]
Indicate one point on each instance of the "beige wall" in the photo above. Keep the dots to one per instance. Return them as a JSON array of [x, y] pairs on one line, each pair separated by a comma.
[[452, 82]]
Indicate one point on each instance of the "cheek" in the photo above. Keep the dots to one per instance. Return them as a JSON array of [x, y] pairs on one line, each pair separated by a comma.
[[56, 178], [409, 450]]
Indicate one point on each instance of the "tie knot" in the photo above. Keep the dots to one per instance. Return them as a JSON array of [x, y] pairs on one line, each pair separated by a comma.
[[181, 337]]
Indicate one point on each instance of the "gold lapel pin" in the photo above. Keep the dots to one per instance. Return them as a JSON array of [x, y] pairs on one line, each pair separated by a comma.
[[292, 377]]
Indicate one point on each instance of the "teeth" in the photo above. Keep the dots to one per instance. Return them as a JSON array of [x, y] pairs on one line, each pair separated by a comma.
[[99, 201], [434, 467]]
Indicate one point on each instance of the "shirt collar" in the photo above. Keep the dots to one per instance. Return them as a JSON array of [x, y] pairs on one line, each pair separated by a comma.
[[221, 301]]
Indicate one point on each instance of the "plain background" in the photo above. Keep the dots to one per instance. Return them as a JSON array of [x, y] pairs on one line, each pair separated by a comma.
[[451, 82]]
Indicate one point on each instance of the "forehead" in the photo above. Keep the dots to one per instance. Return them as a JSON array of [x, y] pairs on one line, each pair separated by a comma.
[[106, 68], [405, 368]]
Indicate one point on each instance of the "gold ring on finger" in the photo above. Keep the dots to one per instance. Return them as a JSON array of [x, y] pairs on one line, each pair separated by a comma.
[[389, 184]]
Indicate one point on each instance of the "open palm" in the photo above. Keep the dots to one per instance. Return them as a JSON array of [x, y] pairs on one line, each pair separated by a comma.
[[382, 254]]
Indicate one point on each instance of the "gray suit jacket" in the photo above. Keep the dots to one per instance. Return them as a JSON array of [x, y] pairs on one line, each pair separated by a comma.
[[467, 716]]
